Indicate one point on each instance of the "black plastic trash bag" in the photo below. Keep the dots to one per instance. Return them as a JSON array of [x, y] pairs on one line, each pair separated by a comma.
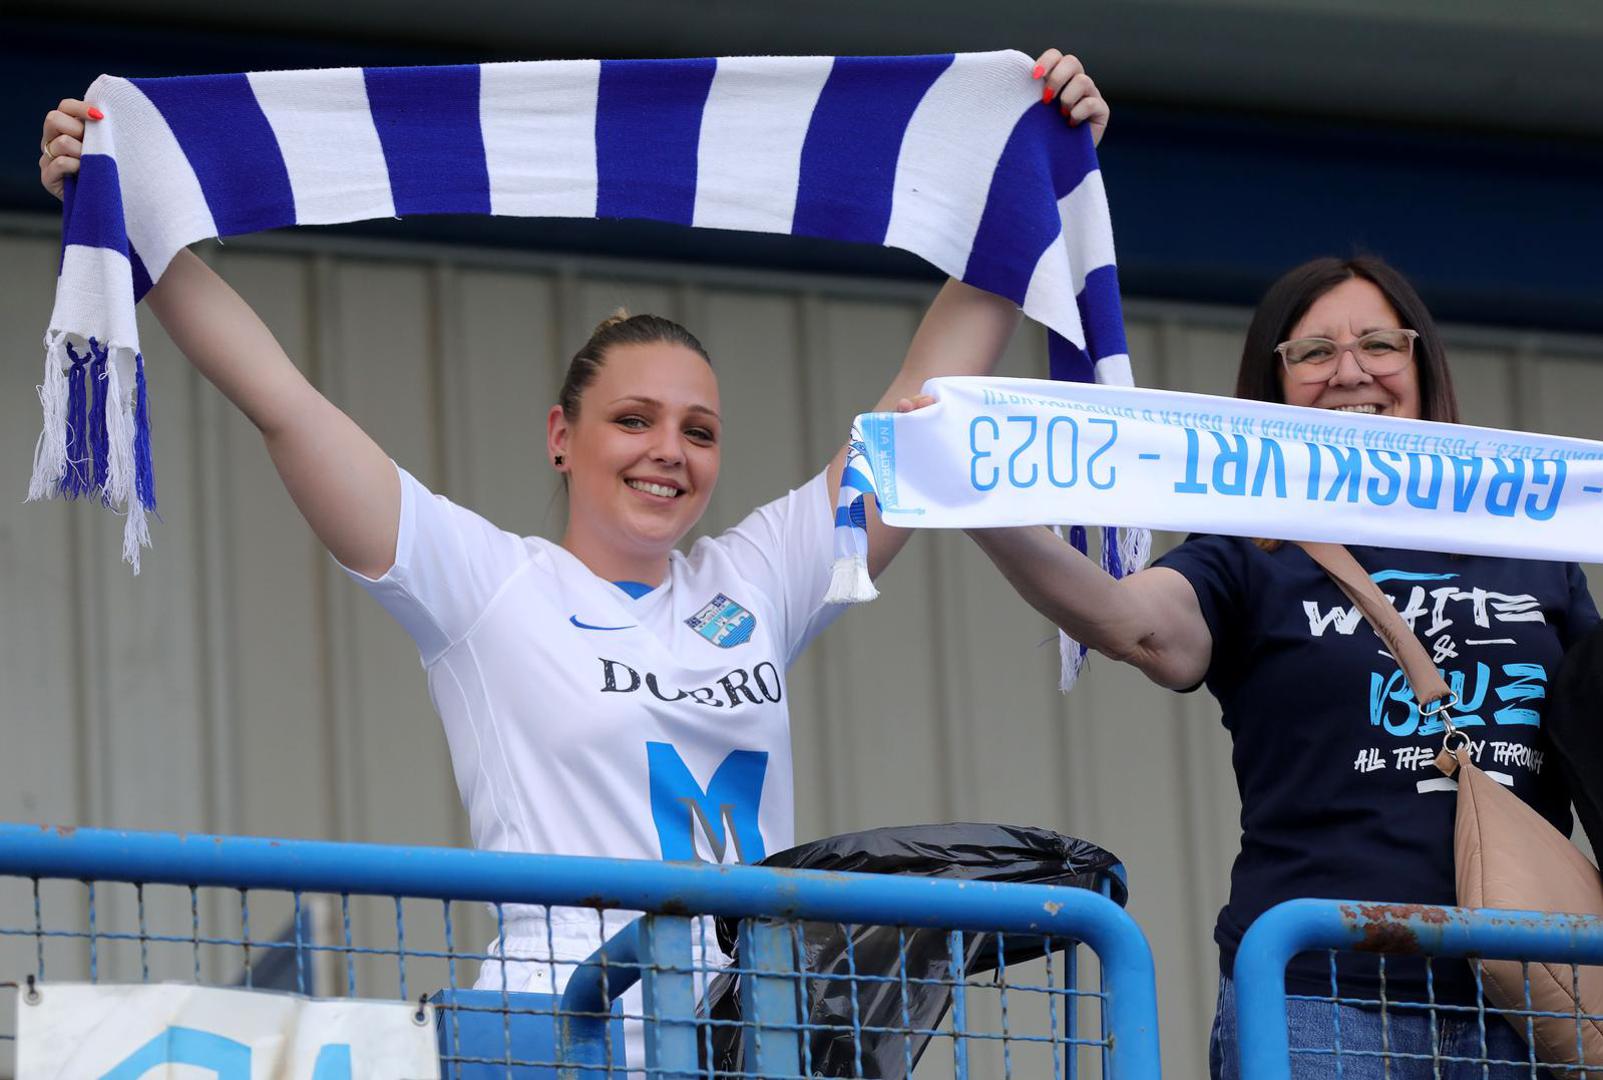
[[972, 852]]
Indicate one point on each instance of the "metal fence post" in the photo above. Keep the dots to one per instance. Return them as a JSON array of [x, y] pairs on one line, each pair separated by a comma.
[[669, 989], [768, 999], [586, 1010]]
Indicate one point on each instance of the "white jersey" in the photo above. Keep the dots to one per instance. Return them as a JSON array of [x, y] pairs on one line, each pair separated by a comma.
[[584, 721]]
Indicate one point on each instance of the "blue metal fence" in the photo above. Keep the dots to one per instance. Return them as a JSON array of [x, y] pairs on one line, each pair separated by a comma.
[[1344, 1033], [407, 923]]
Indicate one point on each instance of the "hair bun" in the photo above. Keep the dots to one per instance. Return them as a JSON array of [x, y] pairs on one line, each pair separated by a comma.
[[619, 328]]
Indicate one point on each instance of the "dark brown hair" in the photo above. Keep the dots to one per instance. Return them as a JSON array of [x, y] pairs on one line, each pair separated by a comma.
[[1289, 299], [619, 328]]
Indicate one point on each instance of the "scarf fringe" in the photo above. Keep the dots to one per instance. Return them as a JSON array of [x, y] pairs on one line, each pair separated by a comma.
[[1122, 555], [119, 486], [50, 452], [1071, 653], [122, 468], [96, 435], [97, 414], [1071, 661], [1135, 549], [1112, 556], [849, 579], [849, 582], [144, 471], [77, 478], [135, 534]]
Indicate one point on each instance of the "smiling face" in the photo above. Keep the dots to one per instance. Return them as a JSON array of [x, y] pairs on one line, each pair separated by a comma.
[[1349, 310], [641, 457]]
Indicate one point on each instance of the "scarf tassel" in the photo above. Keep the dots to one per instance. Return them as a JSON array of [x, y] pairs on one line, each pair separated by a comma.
[[849, 579], [1135, 549], [144, 471], [1112, 557], [121, 468], [1122, 555], [97, 416], [850, 583], [96, 435], [1072, 653], [76, 479], [50, 452]]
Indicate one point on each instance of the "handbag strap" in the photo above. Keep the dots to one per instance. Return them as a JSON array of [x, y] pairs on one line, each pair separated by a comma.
[[1430, 690]]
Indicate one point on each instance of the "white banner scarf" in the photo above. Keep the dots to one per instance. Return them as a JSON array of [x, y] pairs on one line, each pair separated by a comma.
[[1005, 452], [952, 157]]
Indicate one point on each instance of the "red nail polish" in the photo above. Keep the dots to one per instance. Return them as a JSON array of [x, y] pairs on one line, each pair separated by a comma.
[[1064, 109], [1040, 69], [96, 114], [1046, 96]]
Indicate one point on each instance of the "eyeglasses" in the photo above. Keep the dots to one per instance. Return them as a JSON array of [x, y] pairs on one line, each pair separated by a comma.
[[1379, 353]]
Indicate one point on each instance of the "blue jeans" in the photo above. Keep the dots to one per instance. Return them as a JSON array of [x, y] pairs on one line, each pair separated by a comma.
[[1312, 1025]]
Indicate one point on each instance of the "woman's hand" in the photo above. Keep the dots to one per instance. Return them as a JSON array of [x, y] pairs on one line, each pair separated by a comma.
[[1066, 83], [917, 401], [61, 145]]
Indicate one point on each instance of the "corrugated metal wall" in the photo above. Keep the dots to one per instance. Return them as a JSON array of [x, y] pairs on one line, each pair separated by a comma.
[[241, 685]]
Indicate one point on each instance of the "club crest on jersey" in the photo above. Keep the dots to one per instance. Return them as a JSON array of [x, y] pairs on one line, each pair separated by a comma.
[[723, 622]]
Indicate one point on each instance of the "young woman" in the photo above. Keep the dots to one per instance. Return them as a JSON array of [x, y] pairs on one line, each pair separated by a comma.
[[606, 695], [1314, 708]]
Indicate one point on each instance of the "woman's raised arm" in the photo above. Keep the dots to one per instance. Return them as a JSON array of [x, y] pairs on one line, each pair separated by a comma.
[[342, 482], [1150, 620], [965, 330]]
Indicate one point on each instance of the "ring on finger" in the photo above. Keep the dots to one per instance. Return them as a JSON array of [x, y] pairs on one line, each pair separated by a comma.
[[44, 145]]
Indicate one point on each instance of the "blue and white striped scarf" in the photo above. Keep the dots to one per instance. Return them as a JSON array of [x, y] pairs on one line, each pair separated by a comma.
[[950, 157]]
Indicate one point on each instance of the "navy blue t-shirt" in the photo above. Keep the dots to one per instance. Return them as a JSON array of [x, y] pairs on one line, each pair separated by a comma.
[[1339, 794]]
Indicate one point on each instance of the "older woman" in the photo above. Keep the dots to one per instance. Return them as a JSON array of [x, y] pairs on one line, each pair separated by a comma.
[[1330, 750]]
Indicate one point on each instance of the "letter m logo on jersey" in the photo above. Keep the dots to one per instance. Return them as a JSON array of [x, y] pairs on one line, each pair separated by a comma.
[[722, 815]]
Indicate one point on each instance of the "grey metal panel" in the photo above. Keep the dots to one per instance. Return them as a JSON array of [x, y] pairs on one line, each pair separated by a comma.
[[1562, 396], [1489, 393], [41, 708], [395, 780], [41, 716], [997, 664], [275, 715], [756, 344], [504, 367], [145, 738], [884, 710]]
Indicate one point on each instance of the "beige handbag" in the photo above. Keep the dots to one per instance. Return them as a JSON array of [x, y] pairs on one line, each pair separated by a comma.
[[1505, 854]]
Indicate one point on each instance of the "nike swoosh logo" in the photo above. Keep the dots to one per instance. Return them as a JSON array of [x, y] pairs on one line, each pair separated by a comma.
[[574, 619]]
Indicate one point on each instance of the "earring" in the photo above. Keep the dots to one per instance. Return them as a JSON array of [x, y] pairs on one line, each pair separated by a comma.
[[558, 461]]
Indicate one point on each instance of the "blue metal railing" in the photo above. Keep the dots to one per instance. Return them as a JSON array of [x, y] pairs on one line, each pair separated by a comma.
[[1386, 930], [773, 906]]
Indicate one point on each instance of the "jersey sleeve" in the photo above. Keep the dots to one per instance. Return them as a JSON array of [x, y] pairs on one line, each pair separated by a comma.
[[784, 548], [1215, 567], [449, 564]]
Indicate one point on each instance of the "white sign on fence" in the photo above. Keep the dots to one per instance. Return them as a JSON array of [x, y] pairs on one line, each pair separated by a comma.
[[136, 1032]]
